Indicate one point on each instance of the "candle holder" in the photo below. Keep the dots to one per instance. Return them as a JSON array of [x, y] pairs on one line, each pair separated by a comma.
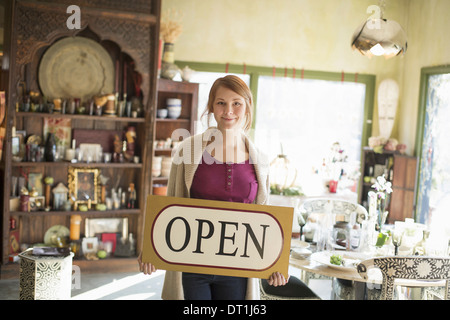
[[110, 107]]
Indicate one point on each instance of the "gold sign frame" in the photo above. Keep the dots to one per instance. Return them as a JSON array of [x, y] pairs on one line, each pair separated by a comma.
[[217, 237]]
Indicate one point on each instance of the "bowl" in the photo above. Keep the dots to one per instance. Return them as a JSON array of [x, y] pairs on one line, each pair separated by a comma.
[[166, 163], [173, 102], [174, 112], [161, 113], [165, 172], [156, 172]]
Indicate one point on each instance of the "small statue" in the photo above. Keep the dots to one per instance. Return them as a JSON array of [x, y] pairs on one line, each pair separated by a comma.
[[130, 136], [117, 156]]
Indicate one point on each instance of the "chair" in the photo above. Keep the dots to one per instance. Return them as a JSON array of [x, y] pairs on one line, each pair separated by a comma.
[[343, 209], [295, 289], [339, 207], [408, 267]]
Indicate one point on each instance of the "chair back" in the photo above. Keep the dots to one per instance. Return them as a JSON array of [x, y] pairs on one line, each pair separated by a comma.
[[407, 267], [337, 206]]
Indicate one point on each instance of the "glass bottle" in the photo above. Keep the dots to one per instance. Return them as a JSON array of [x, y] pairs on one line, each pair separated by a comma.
[[50, 148], [355, 233], [419, 249]]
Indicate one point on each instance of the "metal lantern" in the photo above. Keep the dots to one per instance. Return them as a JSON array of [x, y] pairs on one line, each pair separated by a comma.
[[59, 196], [282, 173]]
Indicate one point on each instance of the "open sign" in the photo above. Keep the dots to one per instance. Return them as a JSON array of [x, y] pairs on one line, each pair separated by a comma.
[[217, 237]]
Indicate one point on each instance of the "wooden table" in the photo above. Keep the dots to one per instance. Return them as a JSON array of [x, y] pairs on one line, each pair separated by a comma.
[[309, 266]]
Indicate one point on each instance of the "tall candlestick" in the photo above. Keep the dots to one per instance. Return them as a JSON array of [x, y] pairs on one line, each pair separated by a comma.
[[117, 76], [124, 81]]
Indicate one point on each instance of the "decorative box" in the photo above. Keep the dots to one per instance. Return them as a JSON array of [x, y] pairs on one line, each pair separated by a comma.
[[45, 277]]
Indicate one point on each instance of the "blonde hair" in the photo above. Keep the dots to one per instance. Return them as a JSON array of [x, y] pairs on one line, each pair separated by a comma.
[[237, 85]]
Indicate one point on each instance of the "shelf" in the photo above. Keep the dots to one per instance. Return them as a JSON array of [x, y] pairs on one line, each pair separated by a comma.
[[156, 179], [172, 120], [82, 213], [163, 149], [79, 165], [112, 264], [11, 270], [78, 116]]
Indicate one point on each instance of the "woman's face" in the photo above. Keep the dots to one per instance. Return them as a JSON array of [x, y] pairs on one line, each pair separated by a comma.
[[229, 109]]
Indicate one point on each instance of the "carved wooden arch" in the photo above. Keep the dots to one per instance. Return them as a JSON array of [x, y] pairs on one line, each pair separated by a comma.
[[39, 26]]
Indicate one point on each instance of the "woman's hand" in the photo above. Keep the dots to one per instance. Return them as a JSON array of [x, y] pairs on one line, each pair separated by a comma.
[[145, 267], [277, 279]]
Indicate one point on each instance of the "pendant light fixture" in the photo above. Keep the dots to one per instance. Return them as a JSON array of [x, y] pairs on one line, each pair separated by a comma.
[[379, 37]]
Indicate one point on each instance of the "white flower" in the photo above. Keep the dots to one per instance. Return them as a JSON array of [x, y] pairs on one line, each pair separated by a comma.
[[382, 185]]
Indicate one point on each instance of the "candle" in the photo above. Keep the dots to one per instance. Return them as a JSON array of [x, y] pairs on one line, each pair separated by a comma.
[[372, 204], [75, 221], [70, 154], [117, 76], [124, 80], [124, 229]]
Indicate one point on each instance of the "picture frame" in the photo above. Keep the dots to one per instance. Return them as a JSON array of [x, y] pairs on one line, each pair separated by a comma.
[[15, 146], [61, 127], [37, 203], [35, 180], [83, 184], [89, 245]]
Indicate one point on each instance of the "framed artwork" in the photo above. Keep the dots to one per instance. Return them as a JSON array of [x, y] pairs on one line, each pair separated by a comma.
[[90, 245], [83, 184], [61, 128], [37, 203], [35, 181]]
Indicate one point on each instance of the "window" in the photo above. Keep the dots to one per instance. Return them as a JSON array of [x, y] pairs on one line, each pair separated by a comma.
[[433, 197], [309, 117]]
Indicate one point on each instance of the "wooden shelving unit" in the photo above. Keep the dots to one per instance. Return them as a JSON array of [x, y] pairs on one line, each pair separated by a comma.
[[165, 127], [401, 171], [129, 32]]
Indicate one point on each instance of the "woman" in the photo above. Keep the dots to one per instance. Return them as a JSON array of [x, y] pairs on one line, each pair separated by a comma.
[[226, 167]]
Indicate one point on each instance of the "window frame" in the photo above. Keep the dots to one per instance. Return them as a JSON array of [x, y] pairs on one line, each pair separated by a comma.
[[256, 71], [425, 74]]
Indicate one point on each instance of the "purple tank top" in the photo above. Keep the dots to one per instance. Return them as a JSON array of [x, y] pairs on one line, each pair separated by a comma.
[[234, 182]]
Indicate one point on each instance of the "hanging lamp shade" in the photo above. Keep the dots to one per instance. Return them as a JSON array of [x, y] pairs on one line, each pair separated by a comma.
[[380, 37]]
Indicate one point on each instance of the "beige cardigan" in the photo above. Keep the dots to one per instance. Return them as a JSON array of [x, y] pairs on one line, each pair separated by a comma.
[[185, 163]]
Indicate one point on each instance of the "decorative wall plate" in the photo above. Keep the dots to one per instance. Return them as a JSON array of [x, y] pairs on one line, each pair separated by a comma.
[[54, 232], [76, 67]]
